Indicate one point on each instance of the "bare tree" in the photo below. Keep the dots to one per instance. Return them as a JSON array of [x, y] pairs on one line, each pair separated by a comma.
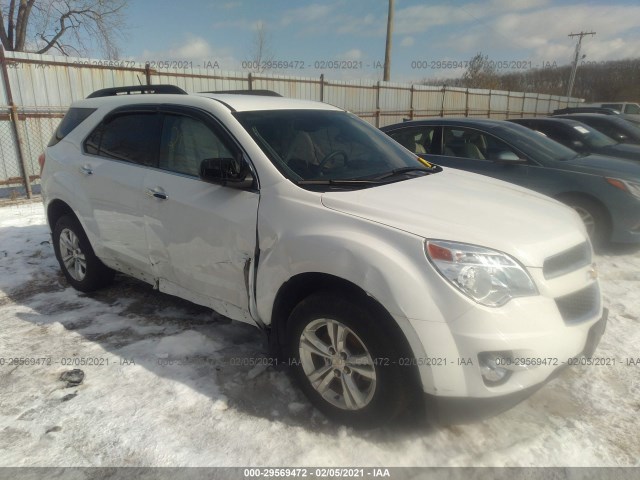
[[261, 55], [66, 26], [612, 80], [480, 73]]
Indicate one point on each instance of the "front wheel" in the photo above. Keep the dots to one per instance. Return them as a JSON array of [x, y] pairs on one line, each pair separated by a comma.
[[83, 270], [347, 361], [594, 217]]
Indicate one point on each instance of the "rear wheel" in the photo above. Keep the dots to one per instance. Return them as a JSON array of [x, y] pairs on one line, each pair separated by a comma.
[[347, 361], [83, 270]]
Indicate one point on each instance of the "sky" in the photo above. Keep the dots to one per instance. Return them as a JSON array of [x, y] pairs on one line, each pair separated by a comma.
[[345, 39]]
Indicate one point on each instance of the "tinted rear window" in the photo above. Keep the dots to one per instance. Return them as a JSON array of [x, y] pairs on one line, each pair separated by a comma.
[[131, 137], [73, 118]]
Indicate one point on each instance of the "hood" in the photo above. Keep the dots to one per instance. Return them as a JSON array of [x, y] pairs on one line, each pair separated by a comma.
[[465, 207], [603, 165], [622, 150]]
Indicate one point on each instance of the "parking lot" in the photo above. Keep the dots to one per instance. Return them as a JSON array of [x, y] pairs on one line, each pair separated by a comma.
[[168, 383]]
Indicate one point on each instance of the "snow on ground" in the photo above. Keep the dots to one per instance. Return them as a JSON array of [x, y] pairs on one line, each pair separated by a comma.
[[195, 396]]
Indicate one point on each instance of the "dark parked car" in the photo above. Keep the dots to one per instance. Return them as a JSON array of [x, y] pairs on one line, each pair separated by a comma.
[[612, 126], [580, 137], [605, 191], [629, 111], [605, 111]]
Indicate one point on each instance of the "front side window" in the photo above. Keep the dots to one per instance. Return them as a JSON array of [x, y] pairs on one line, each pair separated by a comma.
[[186, 142], [131, 137], [608, 129], [533, 144]]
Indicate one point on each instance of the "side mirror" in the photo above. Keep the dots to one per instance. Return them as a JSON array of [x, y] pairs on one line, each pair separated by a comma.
[[508, 157], [228, 172]]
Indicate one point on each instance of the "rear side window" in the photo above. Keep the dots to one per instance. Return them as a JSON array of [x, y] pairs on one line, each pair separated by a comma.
[[132, 137], [73, 118]]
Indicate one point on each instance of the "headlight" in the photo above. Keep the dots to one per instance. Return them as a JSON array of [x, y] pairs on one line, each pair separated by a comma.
[[486, 276], [626, 185]]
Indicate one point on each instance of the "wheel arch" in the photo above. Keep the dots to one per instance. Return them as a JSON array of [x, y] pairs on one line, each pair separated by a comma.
[[300, 286], [565, 197], [57, 209]]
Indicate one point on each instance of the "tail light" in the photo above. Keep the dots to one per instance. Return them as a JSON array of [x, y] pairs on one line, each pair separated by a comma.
[[41, 162]]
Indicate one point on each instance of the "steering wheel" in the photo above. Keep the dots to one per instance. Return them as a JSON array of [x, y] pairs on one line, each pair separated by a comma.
[[325, 160]]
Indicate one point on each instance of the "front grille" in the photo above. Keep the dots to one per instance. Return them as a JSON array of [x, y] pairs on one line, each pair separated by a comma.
[[567, 261], [581, 305]]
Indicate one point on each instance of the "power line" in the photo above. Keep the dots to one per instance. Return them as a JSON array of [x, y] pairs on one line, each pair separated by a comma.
[[387, 49], [572, 78]]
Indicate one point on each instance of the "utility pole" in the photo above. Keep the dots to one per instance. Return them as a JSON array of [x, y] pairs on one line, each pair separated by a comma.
[[572, 78], [387, 51]]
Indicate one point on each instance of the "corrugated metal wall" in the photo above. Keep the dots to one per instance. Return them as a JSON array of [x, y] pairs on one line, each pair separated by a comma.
[[43, 86]]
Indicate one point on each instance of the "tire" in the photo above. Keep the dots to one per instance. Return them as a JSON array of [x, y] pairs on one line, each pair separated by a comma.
[[82, 269], [359, 381], [594, 217]]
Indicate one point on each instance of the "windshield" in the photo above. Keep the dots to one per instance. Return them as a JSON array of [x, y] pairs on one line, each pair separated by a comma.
[[592, 137], [632, 108], [536, 145], [314, 146]]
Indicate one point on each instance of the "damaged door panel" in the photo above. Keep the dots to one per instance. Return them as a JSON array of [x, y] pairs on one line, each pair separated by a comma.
[[198, 247], [201, 236]]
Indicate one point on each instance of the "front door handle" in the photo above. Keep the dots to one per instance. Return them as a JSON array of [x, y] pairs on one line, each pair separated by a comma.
[[157, 193], [86, 169]]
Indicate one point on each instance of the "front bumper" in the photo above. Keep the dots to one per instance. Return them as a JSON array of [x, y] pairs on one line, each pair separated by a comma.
[[534, 334], [626, 221], [457, 410]]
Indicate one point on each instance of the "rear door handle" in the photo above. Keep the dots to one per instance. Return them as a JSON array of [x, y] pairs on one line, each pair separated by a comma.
[[86, 169], [157, 193]]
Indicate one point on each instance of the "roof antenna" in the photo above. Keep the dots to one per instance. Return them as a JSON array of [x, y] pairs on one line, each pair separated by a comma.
[[139, 81]]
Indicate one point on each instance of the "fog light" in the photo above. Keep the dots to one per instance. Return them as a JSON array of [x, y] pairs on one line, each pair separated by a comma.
[[492, 367]]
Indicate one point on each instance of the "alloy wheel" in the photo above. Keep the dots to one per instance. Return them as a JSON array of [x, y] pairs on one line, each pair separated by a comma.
[[587, 219], [72, 255], [338, 364]]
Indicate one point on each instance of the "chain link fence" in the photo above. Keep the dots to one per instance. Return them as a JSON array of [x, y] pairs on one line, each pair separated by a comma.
[[11, 176], [34, 131]]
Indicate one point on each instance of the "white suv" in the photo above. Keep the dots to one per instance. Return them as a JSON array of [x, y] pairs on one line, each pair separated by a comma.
[[374, 273]]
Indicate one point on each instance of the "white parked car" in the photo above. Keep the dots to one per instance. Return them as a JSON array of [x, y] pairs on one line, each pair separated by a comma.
[[375, 274], [629, 111]]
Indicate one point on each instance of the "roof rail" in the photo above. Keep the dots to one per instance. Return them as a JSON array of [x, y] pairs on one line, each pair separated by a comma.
[[265, 93], [137, 89]]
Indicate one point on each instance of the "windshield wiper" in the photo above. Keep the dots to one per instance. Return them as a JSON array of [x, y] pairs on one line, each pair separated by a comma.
[[403, 170], [344, 182]]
